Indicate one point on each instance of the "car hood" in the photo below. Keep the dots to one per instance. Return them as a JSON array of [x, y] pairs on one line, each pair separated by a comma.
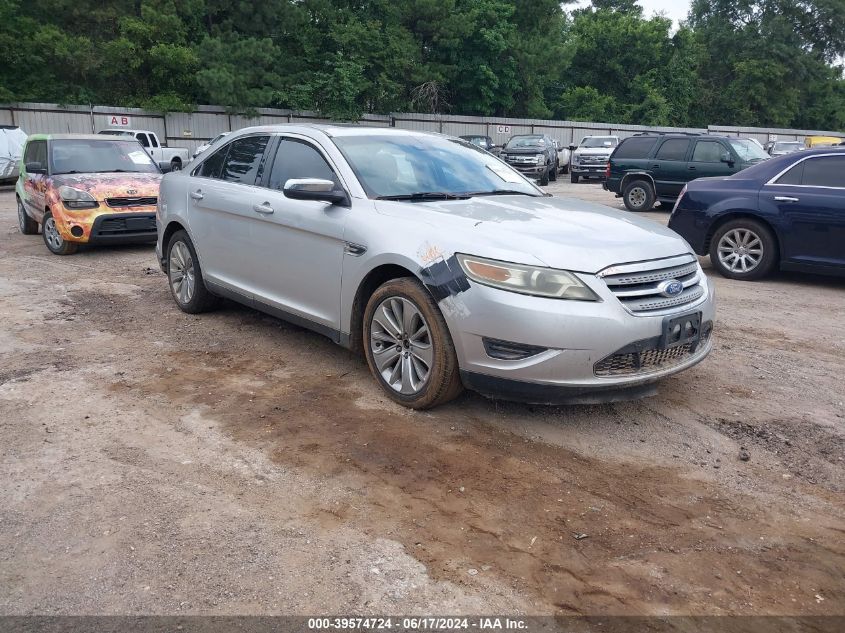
[[553, 232], [108, 185]]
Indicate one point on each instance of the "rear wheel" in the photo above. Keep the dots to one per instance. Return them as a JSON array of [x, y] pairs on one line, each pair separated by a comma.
[[639, 196], [56, 244], [574, 179], [175, 165], [27, 225], [184, 276], [743, 249], [408, 347]]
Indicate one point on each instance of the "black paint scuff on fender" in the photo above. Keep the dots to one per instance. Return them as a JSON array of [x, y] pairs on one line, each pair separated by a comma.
[[444, 278]]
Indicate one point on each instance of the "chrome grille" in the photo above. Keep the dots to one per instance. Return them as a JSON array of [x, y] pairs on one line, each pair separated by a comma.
[[647, 361], [636, 285]]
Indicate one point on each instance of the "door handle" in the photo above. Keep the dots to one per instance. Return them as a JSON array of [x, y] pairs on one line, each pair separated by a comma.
[[264, 208], [691, 168], [785, 199], [197, 195], [655, 166]]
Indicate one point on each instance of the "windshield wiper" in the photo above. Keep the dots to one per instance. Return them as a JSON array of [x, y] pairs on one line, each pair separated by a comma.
[[503, 192], [426, 195], [115, 171]]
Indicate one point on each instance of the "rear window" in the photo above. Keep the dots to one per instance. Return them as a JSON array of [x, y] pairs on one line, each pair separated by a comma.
[[638, 147]]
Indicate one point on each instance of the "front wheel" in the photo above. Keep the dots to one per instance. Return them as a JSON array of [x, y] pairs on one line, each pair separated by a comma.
[[26, 224], [553, 172], [56, 244], [408, 347], [743, 249], [574, 179], [184, 276]]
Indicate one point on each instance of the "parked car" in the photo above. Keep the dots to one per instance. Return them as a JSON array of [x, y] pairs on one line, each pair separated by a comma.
[[484, 142], [654, 167], [87, 189], [564, 156], [788, 212], [533, 155], [822, 141], [589, 158], [199, 150], [167, 158], [441, 264], [12, 140], [781, 148]]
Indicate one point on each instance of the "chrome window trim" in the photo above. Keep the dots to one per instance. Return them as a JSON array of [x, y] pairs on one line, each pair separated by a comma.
[[225, 146], [773, 181]]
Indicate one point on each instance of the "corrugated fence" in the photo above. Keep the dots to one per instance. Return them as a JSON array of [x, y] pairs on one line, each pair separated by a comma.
[[190, 129]]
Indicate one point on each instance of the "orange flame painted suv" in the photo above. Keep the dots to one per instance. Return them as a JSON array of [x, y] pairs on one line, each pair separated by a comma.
[[87, 189]]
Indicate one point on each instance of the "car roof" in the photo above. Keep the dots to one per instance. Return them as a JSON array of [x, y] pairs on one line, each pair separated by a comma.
[[76, 137], [337, 130]]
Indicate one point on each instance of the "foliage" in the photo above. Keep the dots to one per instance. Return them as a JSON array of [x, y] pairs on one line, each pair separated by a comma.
[[750, 62]]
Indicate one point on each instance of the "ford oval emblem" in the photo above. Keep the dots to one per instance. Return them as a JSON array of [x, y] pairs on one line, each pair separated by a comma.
[[670, 288]]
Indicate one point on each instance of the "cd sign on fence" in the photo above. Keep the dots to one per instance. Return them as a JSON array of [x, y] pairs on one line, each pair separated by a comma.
[[504, 129]]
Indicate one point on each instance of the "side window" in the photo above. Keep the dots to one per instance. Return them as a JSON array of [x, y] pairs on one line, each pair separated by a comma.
[[297, 159], [153, 140], [793, 176], [244, 158], [673, 149], [142, 139], [637, 147], [29, 155], [213, 165], [828, 171], [708, 152], [36, 152]]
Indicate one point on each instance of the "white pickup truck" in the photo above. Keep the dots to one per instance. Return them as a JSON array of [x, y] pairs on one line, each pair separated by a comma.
[[168, 158]]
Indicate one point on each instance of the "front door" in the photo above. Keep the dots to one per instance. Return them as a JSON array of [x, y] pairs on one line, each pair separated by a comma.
[[299, 242], [35, 185], [706, 160]]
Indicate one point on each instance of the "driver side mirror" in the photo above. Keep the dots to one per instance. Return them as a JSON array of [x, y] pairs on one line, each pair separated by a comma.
[[35, 168], [317, 189], [572, 148], [726, 158]]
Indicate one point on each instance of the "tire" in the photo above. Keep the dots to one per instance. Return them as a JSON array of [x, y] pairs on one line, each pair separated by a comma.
[[26, 224], [553, 172], [737, 244], [405, 301], [544, 179], [53, 241], [184, 276], [639, 196], [565, 169], [573, 178], [175, 165]]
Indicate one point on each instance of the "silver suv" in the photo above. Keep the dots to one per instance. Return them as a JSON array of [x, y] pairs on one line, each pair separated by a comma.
[[441, 264]]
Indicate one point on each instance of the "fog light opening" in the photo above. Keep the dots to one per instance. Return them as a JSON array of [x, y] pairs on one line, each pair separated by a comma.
[[76, 231]]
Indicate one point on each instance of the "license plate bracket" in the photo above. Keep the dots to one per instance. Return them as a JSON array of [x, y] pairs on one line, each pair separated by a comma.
[[681, 330]]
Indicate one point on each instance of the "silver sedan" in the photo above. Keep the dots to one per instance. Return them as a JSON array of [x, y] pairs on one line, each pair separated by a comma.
[[443, 266]]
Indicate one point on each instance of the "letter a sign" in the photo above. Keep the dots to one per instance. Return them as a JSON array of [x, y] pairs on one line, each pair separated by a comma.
[[115, 120]]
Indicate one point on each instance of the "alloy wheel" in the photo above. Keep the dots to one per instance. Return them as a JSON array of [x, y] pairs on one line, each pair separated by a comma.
[[400, 342], [51, 234], [740, 250], [181, 272]]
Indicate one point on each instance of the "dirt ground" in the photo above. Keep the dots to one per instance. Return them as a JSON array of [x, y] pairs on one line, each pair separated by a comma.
[[230, 463]]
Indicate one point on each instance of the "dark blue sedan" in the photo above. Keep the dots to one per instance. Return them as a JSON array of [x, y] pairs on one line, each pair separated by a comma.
[[787, 213]]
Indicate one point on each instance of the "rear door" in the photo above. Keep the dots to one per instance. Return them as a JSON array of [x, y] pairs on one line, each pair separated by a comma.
[[220, 212], [669, 167], [810, 199], [35, 185], [706, 160], [299, 242]]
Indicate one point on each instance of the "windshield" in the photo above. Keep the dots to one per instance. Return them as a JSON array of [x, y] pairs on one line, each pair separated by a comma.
[[393, 165], [85, 156], [599, 141], [788, 146], [518, 142], [748, 150]]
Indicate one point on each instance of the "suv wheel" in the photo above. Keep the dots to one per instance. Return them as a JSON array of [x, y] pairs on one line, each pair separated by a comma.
[[56, 244], [553, 172], [574, 179], [184, 276], [27, 225], [544, 179], [639, 196], [408, 347], [743, 249]]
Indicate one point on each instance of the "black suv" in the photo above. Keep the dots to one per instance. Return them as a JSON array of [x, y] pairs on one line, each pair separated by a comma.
[[534, 155], [655, 167]]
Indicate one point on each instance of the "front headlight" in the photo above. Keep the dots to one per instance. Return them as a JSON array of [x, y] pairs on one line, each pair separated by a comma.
[[528, 280], [540, 159], [76, 198]]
